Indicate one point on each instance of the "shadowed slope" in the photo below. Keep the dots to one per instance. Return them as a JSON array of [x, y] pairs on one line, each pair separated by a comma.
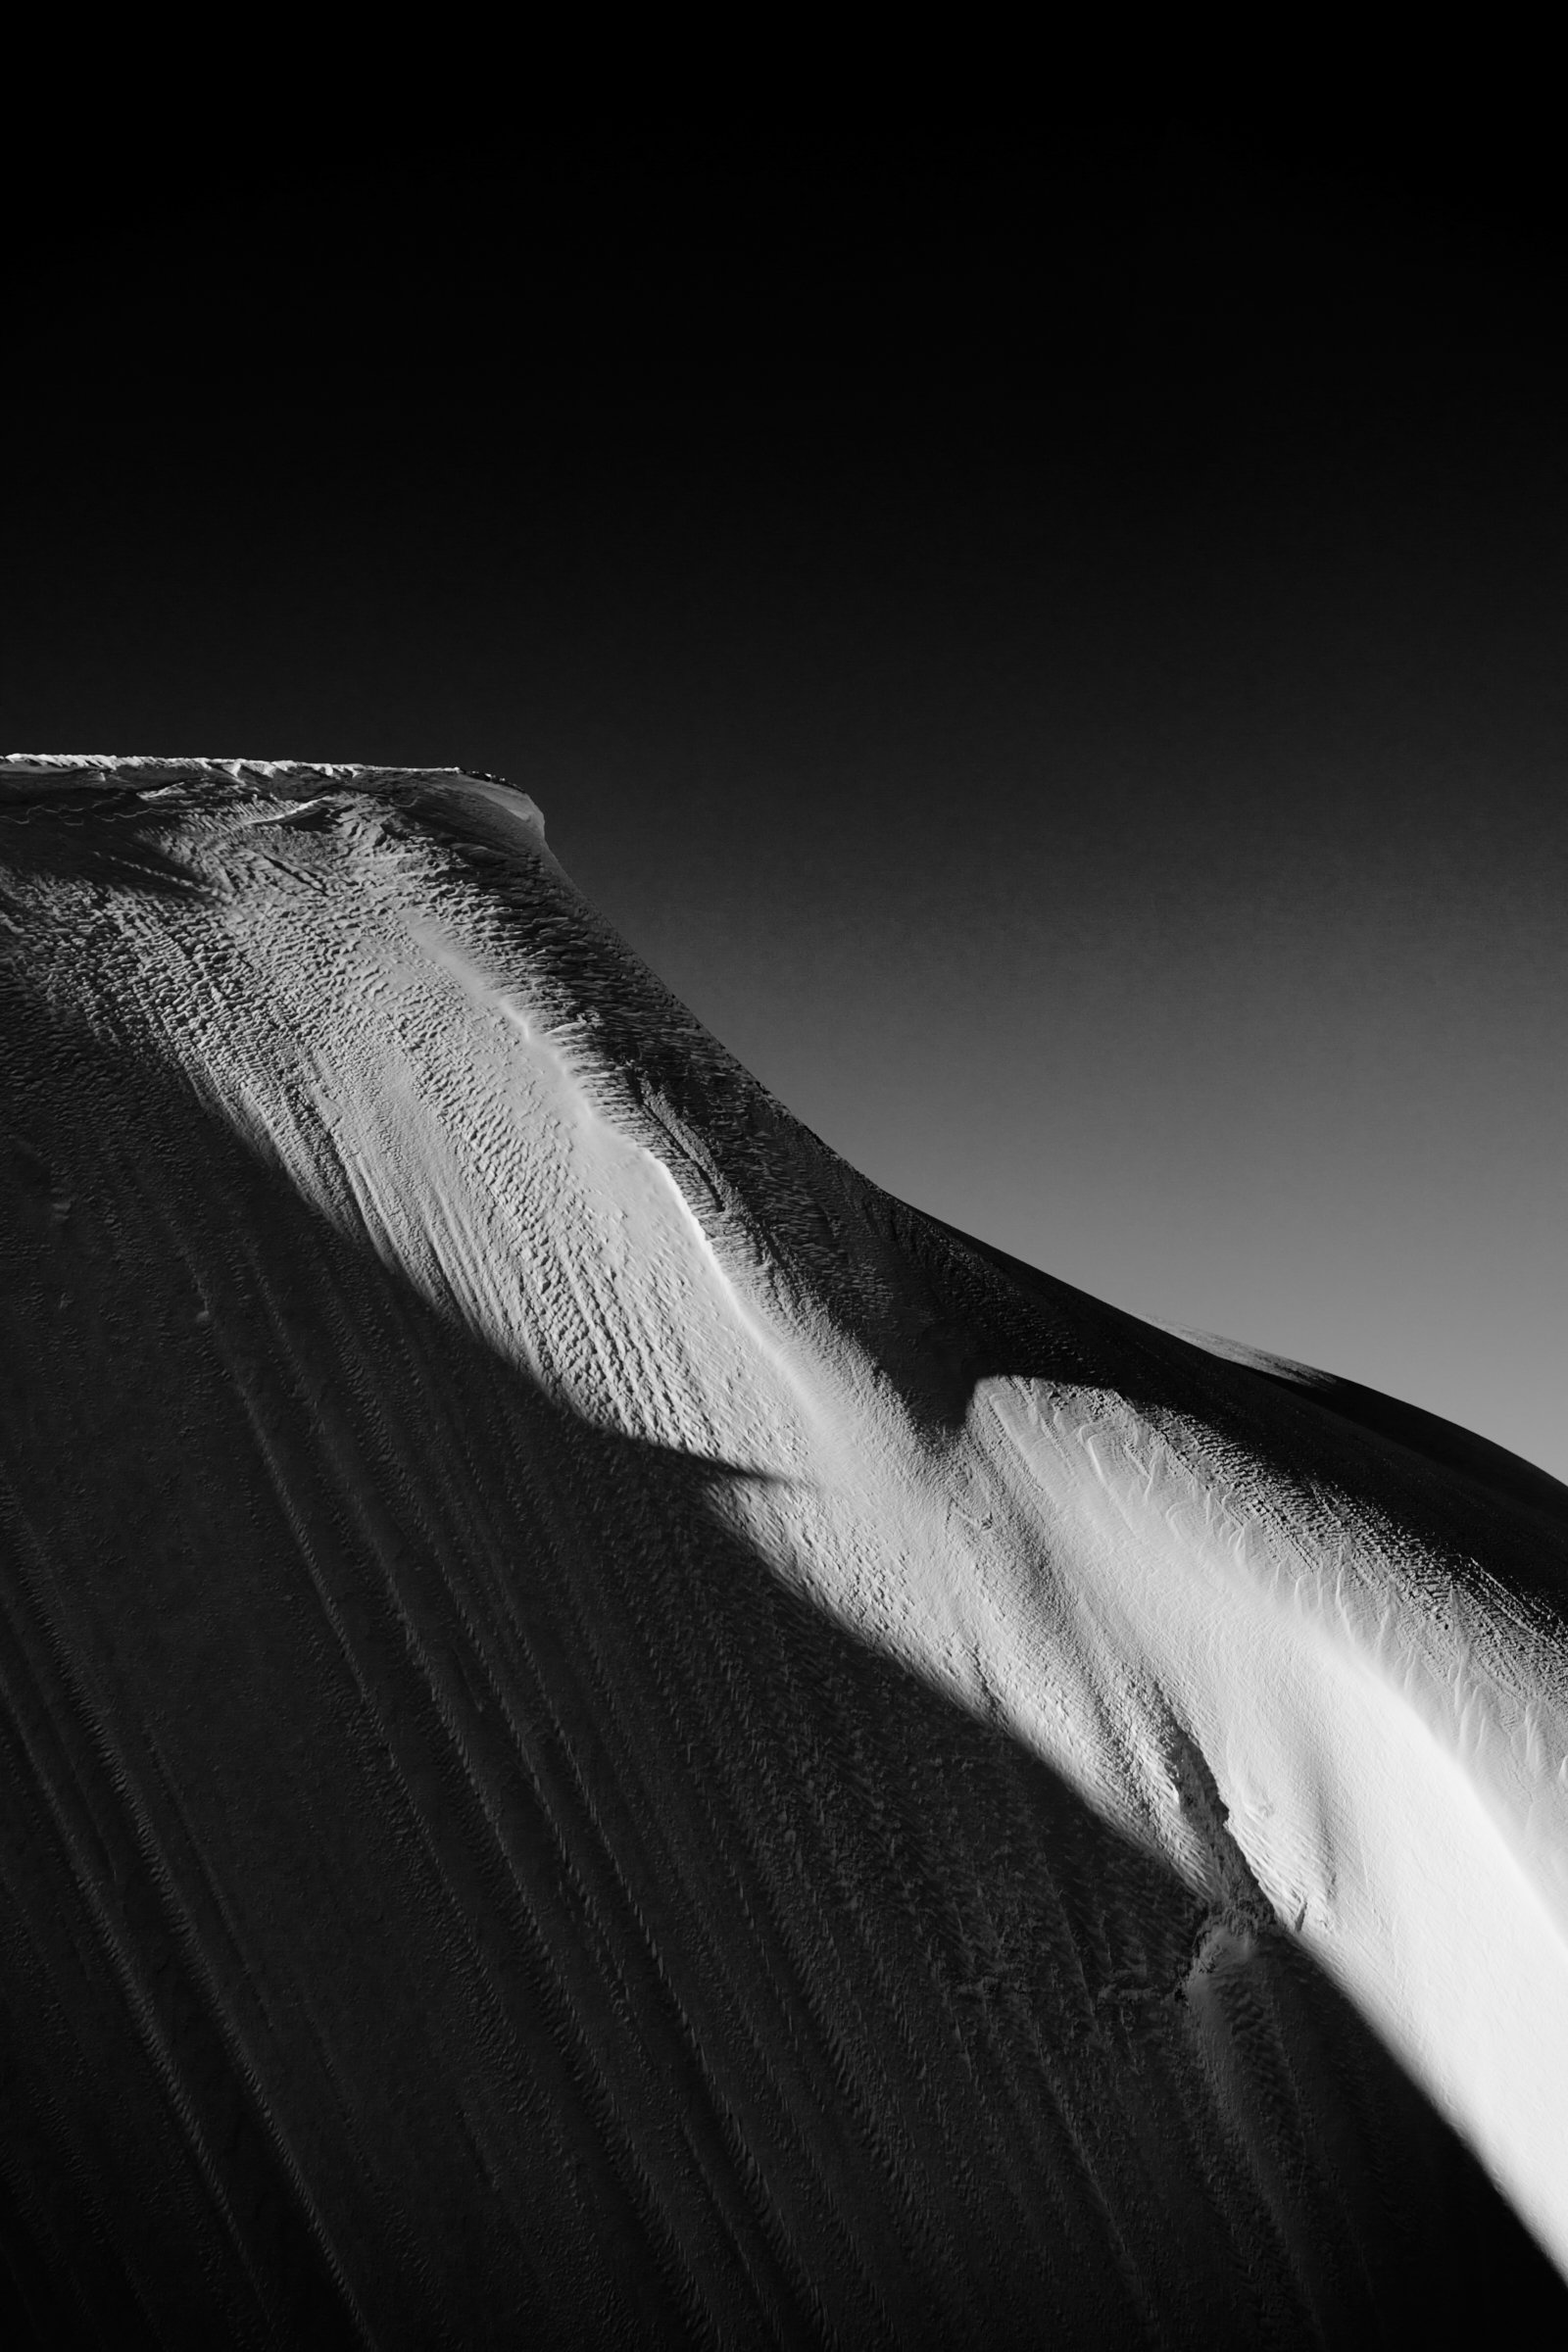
[[470, 1876], [1458, 1452]]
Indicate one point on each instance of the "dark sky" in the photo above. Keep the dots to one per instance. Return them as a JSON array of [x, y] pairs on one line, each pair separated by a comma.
[[1051, 642]]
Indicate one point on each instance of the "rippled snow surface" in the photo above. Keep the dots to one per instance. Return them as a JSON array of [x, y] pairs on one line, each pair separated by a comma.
[[610, 1737]]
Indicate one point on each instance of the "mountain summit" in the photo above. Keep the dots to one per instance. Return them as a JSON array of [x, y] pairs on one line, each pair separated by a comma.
[[612, 1737]]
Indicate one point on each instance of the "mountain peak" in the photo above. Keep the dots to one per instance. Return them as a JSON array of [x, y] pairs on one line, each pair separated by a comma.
[[614, 1734]]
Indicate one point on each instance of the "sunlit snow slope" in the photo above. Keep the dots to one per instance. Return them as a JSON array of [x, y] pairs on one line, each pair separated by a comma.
[[608, 1737]]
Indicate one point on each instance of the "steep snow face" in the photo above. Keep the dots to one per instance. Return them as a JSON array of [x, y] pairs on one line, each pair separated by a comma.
[[644, 1743]]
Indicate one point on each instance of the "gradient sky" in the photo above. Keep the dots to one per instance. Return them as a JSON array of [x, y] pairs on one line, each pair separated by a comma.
[[1055, 648]]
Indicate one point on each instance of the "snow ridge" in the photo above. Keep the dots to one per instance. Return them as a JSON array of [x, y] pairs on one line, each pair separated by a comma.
[[614, 1735]]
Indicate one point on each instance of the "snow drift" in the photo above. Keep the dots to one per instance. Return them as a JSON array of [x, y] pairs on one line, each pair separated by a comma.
[[610, 1737]]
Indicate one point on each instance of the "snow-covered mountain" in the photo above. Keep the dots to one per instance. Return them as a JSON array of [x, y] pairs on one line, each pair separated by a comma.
[[608, 1737]]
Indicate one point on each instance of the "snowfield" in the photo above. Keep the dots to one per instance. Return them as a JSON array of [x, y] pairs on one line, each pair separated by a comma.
[[610, 1737]]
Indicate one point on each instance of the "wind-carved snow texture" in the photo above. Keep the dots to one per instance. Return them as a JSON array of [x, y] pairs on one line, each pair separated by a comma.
[[611, 1738]]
